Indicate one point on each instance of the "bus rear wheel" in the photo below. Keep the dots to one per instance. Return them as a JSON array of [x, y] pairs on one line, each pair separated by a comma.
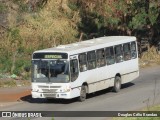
[[83, 93], [117, 84]]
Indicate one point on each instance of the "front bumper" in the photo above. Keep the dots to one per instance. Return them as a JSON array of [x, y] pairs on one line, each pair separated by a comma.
[[51, 95]]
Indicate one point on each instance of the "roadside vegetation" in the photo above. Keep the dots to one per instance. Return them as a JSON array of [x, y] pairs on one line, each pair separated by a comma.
[[149, 58], [27, 25]]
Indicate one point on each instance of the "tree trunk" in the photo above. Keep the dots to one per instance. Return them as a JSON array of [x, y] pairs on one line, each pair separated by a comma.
[[147, 2], [13, 62]]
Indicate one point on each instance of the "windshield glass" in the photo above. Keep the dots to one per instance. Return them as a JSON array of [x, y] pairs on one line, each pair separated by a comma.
[[56, 71]]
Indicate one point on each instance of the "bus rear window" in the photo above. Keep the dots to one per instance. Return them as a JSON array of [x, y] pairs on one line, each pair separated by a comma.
[[133, 50]]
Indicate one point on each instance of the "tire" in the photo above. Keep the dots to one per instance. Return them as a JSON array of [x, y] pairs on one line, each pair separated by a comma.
[[83, 93], [117, 84]]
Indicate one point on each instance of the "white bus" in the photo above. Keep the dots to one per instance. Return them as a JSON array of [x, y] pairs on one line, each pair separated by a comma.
[[77, 69]]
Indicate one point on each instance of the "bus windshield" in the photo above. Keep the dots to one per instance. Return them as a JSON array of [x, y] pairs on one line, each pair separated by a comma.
[[55, 71]]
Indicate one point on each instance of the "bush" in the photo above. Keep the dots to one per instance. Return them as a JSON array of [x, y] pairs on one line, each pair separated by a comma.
[[8, 83], [5, 64], [20, 65], [3, 8]]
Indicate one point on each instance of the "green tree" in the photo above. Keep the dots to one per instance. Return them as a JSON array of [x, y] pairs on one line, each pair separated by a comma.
[[116, 17]]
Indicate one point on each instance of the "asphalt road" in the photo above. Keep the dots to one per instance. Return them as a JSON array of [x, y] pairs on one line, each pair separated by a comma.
[[142, 92]]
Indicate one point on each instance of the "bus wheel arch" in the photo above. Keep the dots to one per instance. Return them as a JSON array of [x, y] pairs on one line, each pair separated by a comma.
[[86, 85], [83, 92], [117, 83]]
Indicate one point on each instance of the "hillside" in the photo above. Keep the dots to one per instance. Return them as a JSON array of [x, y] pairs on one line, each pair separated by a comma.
[[29, 25], [25, 29]]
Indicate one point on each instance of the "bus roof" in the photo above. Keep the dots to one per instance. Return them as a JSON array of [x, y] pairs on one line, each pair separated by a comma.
[[89, 45]]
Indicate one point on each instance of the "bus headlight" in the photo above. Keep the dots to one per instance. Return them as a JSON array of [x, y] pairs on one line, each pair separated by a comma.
[[65, 90], [35, 89]]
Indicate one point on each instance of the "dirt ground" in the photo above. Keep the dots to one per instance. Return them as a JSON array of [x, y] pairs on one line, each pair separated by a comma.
[[13, 94]]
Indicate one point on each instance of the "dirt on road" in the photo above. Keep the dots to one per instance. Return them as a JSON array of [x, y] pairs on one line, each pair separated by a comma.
[[13, 94]]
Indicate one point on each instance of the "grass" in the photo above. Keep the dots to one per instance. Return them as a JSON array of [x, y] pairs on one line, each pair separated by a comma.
[[149, 58], [3, 8], [7, 83], [155, 108]]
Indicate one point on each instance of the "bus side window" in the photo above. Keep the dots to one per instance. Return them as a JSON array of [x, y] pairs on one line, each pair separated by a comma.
[[100, 58], [110, 56], [74, 69], [83, 62], [91, 57], [127, 51], [118, 53], [133, 50]]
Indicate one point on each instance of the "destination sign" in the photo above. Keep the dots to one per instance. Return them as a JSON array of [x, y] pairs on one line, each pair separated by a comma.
[[50, 56], [53, 56]]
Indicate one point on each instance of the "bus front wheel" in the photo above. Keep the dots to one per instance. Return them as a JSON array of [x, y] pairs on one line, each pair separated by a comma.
[[83, 92], [117, 84]]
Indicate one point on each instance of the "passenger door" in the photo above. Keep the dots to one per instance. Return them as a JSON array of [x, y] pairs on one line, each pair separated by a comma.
[[74, 72]]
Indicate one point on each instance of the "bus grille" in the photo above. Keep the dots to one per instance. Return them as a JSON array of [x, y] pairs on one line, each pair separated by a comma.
[[55, 86], [49, 95], [40, 86], [45, 86], [49, 90]]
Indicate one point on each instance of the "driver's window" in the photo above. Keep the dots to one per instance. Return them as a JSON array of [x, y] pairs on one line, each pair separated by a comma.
[[74, 69]]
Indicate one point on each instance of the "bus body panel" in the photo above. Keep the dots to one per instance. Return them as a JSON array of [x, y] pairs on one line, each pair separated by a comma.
[[102, 81], [88, 77], [96, 79]]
